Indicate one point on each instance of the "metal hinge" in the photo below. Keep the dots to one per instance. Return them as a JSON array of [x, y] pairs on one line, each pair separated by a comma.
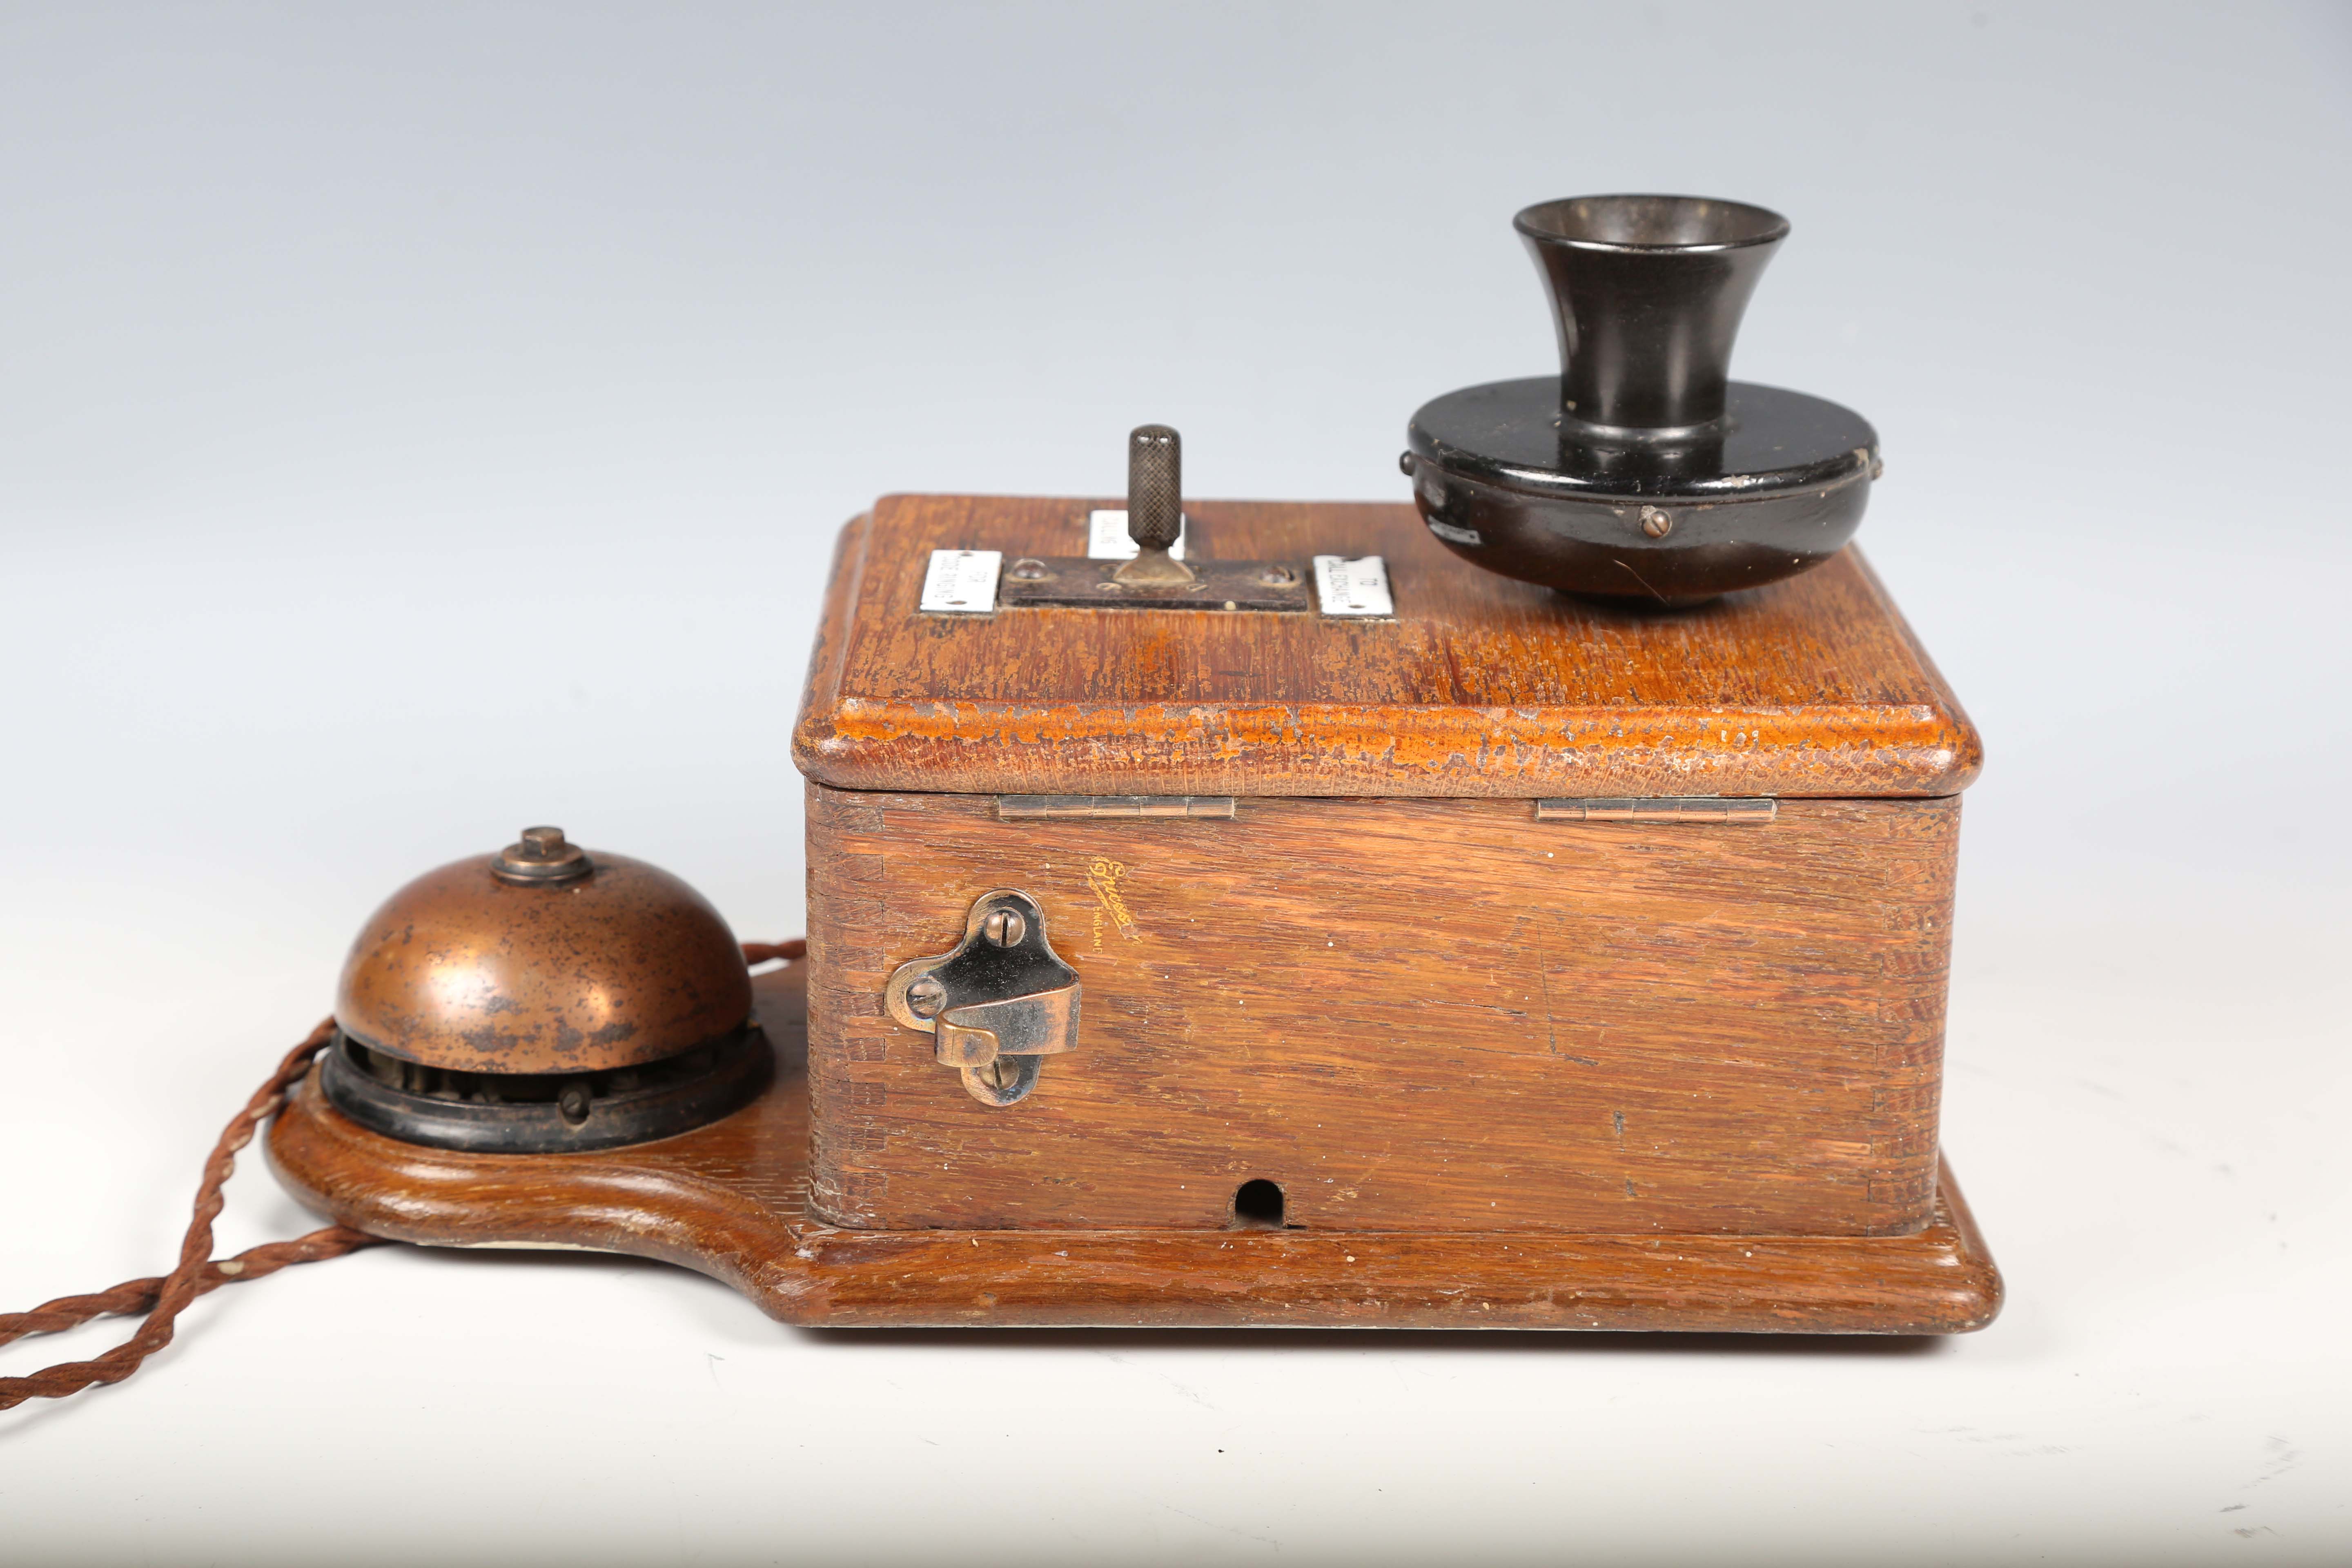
[[1014, 806], [997, 1004], [1660, 808]]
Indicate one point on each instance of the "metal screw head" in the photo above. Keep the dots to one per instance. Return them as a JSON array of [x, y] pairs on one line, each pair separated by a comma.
[[572, 1100], [1029, 569], [1655, 523], [1277, 576], [999, 1075], [1005, 928], [541, 855], [925, 997], [542, 843]]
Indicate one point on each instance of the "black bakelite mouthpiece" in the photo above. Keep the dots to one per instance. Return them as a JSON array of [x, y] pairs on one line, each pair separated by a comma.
[[1643, 472]]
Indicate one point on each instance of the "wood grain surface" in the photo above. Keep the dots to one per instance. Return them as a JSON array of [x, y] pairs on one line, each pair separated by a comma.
[[1480, 687], [1412, 1014], [728, 1201]]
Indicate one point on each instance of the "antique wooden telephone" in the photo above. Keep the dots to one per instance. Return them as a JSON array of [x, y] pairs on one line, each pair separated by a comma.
[[1228, 913]]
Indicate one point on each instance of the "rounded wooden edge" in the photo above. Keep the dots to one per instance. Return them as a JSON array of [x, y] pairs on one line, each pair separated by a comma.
[[1984, 1287], [1897, 750], [606, 1202]]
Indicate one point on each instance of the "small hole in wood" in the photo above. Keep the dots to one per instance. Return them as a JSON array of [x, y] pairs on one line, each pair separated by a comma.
[[1257, 1206]]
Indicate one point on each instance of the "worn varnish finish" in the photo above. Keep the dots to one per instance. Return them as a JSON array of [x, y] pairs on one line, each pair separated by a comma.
[[727, 1199], [1412, 1014], [1481, 686]]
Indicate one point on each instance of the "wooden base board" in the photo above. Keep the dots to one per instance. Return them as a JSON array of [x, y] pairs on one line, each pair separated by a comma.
[[729, 1200]]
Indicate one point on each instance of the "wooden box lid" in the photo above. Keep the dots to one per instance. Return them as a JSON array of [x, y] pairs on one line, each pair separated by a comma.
[[1480, 687]]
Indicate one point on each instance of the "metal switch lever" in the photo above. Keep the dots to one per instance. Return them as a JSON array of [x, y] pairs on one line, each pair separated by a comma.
[[1155, 506]]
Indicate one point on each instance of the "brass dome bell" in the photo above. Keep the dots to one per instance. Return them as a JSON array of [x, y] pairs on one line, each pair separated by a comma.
[[543, 997]]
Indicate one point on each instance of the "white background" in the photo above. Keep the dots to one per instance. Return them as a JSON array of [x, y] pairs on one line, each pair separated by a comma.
[[418, 421]]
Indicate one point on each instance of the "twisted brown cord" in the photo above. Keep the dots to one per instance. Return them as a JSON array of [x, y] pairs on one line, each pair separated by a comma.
[[165, 1297], [140, 1295]]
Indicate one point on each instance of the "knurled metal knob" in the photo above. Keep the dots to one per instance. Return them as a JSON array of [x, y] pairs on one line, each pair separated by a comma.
[[1155, 487]]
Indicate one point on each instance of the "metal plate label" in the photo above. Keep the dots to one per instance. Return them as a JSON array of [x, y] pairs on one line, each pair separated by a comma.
[[962, 582], [1357, 588]]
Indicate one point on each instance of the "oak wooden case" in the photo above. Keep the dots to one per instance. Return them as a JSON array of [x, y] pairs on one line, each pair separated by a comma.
[[1509, 1068], [1385, 982]]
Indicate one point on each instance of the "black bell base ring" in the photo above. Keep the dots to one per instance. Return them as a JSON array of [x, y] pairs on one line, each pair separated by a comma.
[[538, 1114]]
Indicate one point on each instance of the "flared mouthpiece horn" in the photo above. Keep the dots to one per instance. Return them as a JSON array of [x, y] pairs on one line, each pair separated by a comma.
[[1647, 293]]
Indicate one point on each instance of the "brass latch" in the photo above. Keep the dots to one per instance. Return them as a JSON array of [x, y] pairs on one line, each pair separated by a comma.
[[998, 1004]]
